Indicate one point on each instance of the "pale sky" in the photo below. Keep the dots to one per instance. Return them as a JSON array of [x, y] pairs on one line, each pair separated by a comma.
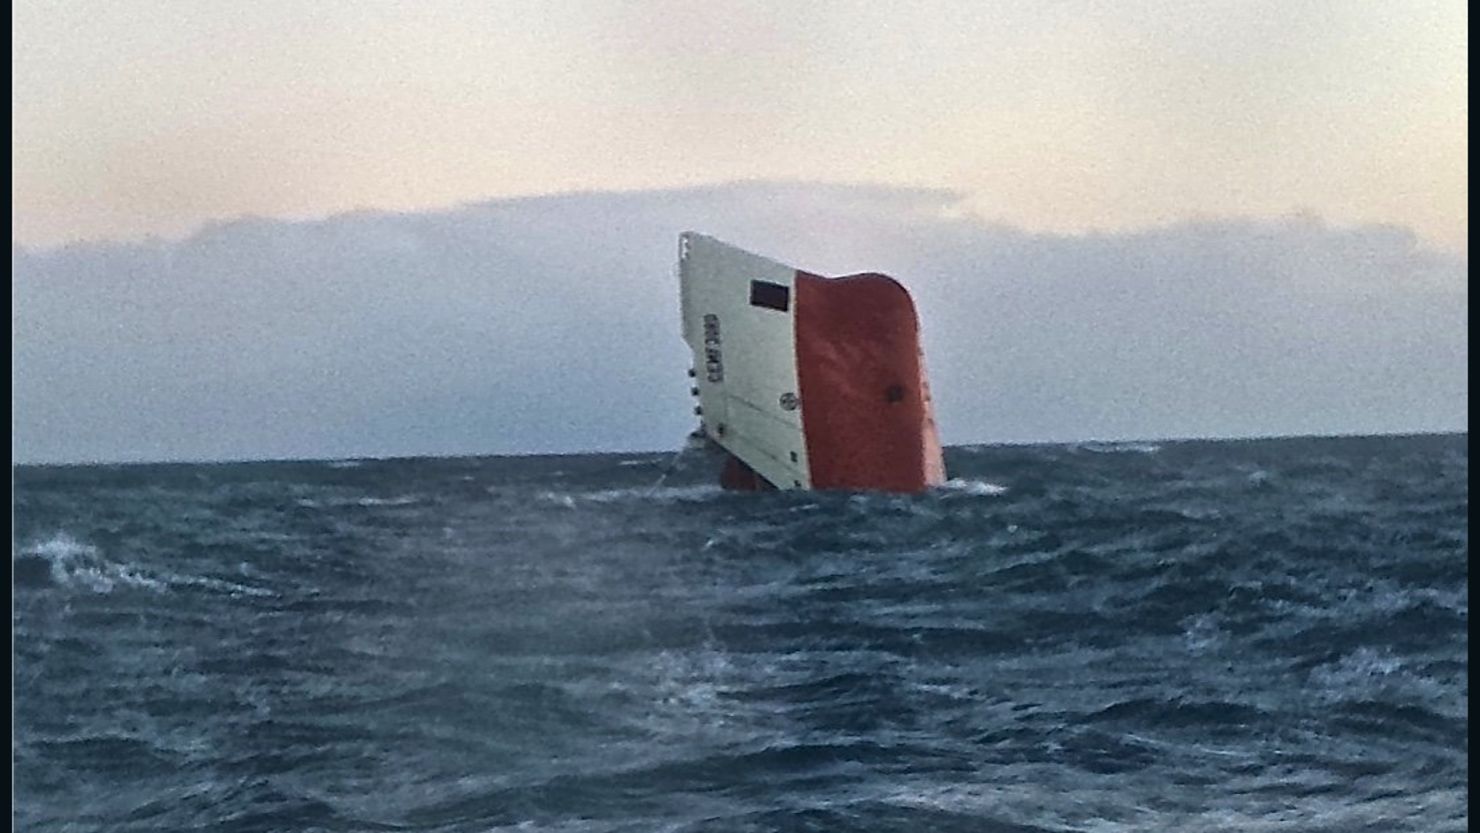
[[149, 117]]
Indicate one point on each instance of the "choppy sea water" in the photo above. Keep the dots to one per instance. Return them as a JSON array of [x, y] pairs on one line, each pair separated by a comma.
[[1260, 635]]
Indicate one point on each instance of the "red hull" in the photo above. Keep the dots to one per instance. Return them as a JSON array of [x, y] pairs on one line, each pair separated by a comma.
[[738, 477], [866, 410]]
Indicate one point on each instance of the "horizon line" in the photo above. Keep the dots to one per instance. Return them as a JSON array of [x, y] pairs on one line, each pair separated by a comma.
[[225, 461]]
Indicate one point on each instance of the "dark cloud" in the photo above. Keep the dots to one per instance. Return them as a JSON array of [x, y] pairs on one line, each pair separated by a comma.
[[551, 324]]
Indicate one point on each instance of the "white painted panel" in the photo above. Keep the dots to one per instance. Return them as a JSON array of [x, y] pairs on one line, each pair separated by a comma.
[[744, 357]]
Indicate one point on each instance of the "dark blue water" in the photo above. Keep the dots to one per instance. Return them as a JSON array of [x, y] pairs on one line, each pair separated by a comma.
[[1186, 636]]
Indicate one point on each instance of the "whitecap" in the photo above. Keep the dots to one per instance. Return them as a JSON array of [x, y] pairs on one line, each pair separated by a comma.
[[557, 498], [978, 488], [78, 564], [1201, 632], [403, 500], [335, 503], [1369, 674], [665, 494], [1118, 447], [229, 587], [74, 563]]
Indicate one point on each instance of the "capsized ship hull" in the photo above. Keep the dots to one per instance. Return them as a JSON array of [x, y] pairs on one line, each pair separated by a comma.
[[806, 382]]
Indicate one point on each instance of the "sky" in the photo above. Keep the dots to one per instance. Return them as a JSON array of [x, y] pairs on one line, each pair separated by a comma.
[[551, 324], [155, 116], [279, 229]]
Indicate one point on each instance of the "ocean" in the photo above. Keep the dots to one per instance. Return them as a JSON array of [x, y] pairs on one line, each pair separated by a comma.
[[1183, 636]]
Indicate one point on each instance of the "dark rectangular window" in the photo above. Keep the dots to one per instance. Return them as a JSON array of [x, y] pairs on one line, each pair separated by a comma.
[[770, 295]]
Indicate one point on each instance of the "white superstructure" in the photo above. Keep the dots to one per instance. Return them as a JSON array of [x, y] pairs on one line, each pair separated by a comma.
[[739, 319]]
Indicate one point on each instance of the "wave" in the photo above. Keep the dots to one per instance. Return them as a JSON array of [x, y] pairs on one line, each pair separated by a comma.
[[76, 564], [1369, 674], [366, 502], [1116, 447], [979, 488], [707, 492], [1100, 642], [1251, 804], [63, 561], [663, 494]]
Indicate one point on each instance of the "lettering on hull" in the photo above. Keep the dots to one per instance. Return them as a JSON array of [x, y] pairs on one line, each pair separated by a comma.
[[714, 364]]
